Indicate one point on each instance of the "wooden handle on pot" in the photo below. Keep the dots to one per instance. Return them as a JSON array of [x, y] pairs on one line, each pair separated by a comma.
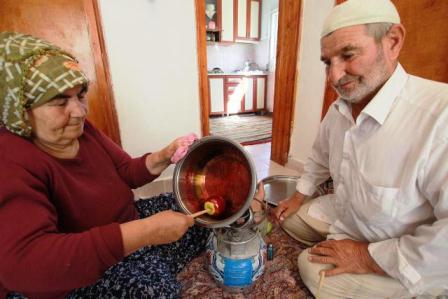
[[197, 214]]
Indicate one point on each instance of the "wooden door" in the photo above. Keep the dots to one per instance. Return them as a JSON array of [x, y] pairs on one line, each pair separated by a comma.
[[289, 27], [424, 50], [75, 26]]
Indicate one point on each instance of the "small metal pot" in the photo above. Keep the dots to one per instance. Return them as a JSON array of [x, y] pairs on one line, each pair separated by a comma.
[[215, 166]]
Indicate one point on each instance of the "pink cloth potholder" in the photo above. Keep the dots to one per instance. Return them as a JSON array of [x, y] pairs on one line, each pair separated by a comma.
[[181, 151]]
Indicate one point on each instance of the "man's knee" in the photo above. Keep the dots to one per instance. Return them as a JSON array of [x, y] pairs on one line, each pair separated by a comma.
[[309, 272], [347, 285], [301, 231]]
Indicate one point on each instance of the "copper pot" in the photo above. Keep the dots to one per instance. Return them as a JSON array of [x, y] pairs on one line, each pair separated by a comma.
[[215, 166]]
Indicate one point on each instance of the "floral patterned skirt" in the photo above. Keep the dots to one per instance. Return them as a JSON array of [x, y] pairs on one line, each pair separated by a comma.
[[151, 271]]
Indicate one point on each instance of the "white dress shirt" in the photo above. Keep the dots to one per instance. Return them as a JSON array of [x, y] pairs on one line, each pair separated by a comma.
[[390, 173]]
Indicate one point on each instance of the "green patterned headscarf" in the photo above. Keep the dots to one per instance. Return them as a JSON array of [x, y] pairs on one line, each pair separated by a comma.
[[32, 72]]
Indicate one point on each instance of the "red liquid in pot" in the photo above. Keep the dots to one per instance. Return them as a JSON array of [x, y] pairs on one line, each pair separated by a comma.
[[223, 176]]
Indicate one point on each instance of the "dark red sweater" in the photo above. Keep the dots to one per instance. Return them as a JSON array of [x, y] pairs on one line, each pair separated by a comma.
[[59, 219]]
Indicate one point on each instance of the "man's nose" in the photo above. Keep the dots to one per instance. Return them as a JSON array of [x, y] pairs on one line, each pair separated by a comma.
[[336, 71]]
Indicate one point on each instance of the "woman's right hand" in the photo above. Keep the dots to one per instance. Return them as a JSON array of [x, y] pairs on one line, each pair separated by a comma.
[[161, 228], [169, 226], [288, 206]]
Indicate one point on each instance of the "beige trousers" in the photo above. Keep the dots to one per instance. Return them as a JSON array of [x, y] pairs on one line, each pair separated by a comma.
[[309, 230]]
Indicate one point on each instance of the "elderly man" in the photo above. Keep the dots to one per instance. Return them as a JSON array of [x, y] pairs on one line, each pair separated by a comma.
[[384, 144]]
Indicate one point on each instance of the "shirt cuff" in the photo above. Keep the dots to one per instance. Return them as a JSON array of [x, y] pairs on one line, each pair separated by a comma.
[[388, 256], [305, 187]]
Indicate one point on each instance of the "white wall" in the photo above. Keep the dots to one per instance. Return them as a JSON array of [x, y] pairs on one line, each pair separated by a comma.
[[311, 81], [152, 53]]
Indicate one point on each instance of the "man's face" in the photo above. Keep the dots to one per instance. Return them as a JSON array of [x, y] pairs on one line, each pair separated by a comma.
[[355, 63]]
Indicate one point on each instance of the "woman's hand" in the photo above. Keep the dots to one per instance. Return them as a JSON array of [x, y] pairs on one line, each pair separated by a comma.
[[288, 206], [173, 152], [161, 228], [168, 226]]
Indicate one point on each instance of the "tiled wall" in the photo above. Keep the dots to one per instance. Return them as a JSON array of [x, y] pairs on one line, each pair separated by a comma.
[[229, 58]]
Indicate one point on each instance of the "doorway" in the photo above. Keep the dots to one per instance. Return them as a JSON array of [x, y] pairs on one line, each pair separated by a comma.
[[288, 15]]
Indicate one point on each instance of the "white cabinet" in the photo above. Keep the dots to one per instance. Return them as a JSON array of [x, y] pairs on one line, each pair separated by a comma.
[[241, 19], [216, 85], [248, 17], [261, 93], [232, 94], [227, 21], [255, 12], [238, 21], [249, 96]]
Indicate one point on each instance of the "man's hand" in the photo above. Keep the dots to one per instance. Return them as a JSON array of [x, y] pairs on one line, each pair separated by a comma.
[[347, 256], [288, 206]]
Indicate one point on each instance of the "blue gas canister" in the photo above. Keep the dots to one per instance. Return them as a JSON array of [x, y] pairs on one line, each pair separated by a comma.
[[236, 257]]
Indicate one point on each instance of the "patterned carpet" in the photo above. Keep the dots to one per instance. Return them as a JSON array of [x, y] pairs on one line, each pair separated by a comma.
[[243, 128], [280, 280]]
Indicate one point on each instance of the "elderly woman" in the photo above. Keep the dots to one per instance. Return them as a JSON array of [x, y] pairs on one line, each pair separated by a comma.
[[69, 225]]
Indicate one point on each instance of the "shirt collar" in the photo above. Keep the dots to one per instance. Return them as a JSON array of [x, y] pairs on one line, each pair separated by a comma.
[[379, 107], [344, 108]]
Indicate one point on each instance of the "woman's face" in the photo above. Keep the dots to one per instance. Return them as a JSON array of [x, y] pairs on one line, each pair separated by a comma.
[[61, 120]]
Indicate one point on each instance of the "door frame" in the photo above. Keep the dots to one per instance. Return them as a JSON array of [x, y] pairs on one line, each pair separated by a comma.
[[289, 25], [110, 125]]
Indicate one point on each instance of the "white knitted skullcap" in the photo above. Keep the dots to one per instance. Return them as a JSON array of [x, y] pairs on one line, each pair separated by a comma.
[[357, 12]]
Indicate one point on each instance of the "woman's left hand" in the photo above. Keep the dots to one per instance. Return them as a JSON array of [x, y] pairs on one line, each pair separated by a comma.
[[179, 147], [173, 152]]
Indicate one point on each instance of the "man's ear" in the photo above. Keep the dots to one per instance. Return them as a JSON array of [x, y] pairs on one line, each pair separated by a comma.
[[394, 40]]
